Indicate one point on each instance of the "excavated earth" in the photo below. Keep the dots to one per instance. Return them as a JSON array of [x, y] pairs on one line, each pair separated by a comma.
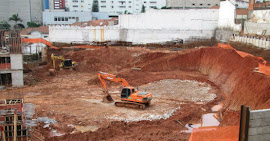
[[182, 82]]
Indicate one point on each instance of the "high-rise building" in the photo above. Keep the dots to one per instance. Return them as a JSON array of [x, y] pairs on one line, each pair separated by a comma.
[[115, 7], [28, 10], [59, 4], [179, 4], [80, 5]]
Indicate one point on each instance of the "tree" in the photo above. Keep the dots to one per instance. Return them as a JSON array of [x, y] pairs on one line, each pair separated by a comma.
[[143, 9], [16, 19], [33, 24], [95, 6], [164, 7], [4, 25]]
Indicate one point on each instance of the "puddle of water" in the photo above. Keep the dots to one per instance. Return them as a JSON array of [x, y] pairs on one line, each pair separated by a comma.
[[86, 128]]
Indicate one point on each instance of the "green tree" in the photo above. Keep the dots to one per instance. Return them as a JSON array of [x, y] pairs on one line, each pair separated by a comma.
[[33, 24], [4, 25], [16, 19], [164, 7], [143, 9], [95, 6]]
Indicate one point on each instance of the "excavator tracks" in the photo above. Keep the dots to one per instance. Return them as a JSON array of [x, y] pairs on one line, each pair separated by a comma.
[[130, 104]]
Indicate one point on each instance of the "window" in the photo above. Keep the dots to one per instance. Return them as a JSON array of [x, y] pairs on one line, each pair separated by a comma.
[[103, 1], [4, 60], [201, 4], [73, 17], [209, 4], [62, 19], [193, 3], [75, 6], [153, 2], [112, 1], [112, 6], [77, 19], [129, 7], [74, 0], [82, 1], [56, 0], [55, 18], [103, 6], [66, 18], [144, 2], [122, 6], [129, 1], [58, 19]]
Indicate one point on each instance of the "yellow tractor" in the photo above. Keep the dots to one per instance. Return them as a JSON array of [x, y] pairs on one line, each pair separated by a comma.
[[64, 64]]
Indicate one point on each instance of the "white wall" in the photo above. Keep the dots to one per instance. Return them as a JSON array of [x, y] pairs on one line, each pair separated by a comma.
[[192, 19], [16, 61], [17, 78], [260, 16], [33, 48], [49, 17], [227, 14], [68, 34], [83, 5]]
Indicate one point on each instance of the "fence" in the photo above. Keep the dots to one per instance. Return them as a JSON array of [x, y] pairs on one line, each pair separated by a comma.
[[262, 42]]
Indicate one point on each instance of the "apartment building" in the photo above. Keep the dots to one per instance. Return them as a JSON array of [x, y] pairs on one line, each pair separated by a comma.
[[79, 5], [179, 4], [11, 60], [115, 7]]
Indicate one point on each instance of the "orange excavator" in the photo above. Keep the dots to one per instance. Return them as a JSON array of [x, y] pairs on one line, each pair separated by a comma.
[[129, 97]]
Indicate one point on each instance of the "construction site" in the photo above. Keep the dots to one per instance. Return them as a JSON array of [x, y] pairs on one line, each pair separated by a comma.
[[193, 92], [166, 74]]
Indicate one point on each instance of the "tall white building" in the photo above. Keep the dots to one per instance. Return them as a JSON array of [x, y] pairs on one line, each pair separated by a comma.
[[115, 7], [79, 5]]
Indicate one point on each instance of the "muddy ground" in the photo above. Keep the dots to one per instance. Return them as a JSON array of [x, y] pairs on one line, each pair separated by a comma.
[[182, 82]]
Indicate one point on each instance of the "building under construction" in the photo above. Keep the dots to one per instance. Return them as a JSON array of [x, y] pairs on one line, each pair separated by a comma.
[[11, 59]]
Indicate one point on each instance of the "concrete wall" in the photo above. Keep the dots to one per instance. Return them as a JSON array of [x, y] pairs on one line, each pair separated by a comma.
[[72, 17], [256, 28], [68, 34], [192, 3], [192, 19], [17, 78], [227, 16], [259, 125], [259, 16], [16, 61]]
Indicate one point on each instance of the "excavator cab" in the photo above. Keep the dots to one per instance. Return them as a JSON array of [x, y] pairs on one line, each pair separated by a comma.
[[126, 92], [68, 63]]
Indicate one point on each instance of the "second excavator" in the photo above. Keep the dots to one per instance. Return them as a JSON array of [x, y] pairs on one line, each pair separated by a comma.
[[129, 97]]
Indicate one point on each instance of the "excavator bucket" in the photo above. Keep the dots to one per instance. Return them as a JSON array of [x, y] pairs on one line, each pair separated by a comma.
[[107, 98]]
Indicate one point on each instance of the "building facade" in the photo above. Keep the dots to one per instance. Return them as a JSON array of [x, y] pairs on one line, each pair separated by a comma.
[[28, 10], [11, 61], [181, 4], [79, 5], [115, 7], [64, 17]]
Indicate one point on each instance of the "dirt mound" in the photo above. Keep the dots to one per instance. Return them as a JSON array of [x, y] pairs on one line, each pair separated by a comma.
[[225, 68]]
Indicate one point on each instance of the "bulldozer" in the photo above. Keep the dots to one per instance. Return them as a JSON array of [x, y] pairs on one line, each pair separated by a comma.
[[64, 64], [129, 96]]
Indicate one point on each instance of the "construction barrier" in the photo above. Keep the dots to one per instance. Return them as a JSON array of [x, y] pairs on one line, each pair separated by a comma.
[[229, 133]]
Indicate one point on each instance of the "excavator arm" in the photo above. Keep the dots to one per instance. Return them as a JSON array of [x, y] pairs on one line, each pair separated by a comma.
[[102, 76]]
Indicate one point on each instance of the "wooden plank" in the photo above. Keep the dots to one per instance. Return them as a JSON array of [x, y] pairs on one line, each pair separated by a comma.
[[263, 137], [259, 114], [259, 122], [247, 123], [259, 130]]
